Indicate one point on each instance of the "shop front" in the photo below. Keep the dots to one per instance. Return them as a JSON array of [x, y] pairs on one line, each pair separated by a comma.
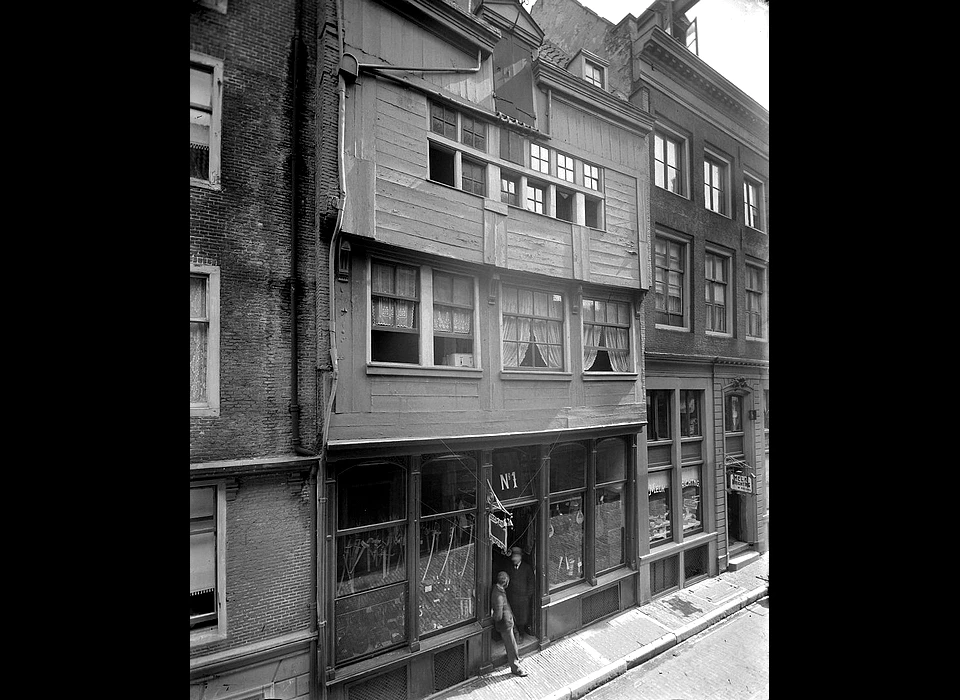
[[414, 542]]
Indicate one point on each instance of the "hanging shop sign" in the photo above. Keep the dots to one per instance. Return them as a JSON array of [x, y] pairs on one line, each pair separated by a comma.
[[740, 482], [498, 520]]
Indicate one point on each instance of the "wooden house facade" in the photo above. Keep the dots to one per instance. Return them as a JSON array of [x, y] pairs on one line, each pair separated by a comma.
[[488, 276]]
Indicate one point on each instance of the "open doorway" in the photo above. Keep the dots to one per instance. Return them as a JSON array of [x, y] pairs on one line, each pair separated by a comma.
[[526, 609]]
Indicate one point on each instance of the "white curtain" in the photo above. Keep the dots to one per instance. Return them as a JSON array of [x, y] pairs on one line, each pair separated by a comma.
[[591, 341], [618, 348], [507, 346]]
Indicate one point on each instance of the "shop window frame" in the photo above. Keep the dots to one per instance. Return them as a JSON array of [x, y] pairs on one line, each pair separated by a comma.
[[218, 631]]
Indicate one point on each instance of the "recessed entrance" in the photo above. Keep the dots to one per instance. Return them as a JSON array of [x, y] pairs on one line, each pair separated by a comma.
[[523, 534]]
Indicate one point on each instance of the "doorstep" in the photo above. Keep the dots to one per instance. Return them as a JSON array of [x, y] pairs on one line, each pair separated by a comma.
[[742, 559]]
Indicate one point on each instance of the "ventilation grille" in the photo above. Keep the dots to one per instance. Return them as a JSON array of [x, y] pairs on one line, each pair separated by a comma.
[[663, 575], [449, 668], [387, 686], [694, 562], [598, 605]]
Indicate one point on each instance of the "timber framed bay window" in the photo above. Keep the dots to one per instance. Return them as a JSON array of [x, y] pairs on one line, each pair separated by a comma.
[[716, 293], [206, 97], [716, 187], [675, 458], [753, 202], [606, 336], [405, 541], [587, 523], [532, 332], [208, 619], [670, 264], [422, 316], [756, 285], [669, 162], [204, 340]]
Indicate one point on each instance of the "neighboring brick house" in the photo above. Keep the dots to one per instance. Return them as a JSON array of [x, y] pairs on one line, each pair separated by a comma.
[[262, 184], [705, 462]]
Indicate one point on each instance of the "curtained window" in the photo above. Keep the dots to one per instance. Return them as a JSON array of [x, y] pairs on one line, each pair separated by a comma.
[[532, 330], [453, 319], [606, 336], [395, 302], [203, 557]]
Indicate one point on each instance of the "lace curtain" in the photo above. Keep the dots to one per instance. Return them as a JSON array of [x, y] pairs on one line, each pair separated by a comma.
[[616, 341]]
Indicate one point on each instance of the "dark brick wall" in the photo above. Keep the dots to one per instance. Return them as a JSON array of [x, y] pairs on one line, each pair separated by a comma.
[[245, 229]]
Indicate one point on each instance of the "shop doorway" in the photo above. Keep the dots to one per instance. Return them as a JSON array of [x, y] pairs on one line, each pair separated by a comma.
[[523, 534]]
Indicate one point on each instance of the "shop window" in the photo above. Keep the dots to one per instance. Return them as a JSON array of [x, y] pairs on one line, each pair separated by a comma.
[[509, 189], [206, 560], [566, 526], [395, 335], [606, 336], [610, 514], [442, 167], [371, 585], [564, 205], [453, 320], [659, 501], [447, 542], [692, 503], [532, 331]]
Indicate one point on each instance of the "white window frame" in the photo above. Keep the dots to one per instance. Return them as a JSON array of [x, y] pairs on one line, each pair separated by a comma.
[[763, 302], [528, 197], [209, 62], [685, 284], [589, 69], [210, 407], [206, 635], [631, 350], [588, 176], [562, 170], [684, 165], [425, 308], [539, 163], [723, 165], [727, 261], [749, 180], [532, 372]]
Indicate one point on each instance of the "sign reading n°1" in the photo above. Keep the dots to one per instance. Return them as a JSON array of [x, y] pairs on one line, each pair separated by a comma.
[[513, 472]]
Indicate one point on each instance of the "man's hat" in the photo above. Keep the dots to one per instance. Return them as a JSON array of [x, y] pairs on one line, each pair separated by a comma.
[[516, 550]]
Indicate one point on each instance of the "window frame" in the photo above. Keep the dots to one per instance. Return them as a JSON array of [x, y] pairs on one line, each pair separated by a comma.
[[684, 284], [215, 67], [481, 181], [593, 73], [711, 161], [710, 284], [751, 294], [631, 355], [562, 169], [759, 224], [682, 168], [517, 181], [210, 407], [206, 635], [434, 333], [530, 189], [564, 340], [539, 163], [416, 329], [588, 177]]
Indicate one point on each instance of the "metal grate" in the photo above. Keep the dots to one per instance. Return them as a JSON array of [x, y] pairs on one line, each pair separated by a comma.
[[598, 605], [448, 667], [663, 575], [387, 686], [694, 562]]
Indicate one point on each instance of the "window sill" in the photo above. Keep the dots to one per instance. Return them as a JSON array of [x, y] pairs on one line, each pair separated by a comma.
[[534, 375], [666, 550], [758, 340], [678, 329], [718, 213], [416, 371], [718, 334], [209, 636], [610, 376], [754, 228], [675, 194], [205, 184], [204, 411]]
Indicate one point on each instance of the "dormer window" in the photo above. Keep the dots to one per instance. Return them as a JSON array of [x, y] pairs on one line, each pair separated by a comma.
[[593, 73]]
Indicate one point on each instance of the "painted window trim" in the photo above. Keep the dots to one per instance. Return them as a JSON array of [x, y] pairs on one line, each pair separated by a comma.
[[564, 373], [212, 405], [686, 284], [730, 299], [684, 143], [213, 180], [764, 320], [761, 205], [710, 156], [632, 372], [219, 633]]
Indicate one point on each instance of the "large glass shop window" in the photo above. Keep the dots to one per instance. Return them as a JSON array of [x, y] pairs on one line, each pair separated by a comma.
[[610, 520], [658, 497], [370, 609], [565, 529], [692, 503], [447, 549]]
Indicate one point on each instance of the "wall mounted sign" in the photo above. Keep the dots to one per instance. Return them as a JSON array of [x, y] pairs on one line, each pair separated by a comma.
[[498, 531], [740, 482]]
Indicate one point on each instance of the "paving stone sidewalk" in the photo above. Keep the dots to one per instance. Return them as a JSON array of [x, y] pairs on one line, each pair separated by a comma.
[[580, 662]]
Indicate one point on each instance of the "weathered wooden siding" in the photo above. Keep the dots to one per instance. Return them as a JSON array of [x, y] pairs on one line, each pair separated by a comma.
[[592, 138], [539, 244], [610, 393], [423, 394]]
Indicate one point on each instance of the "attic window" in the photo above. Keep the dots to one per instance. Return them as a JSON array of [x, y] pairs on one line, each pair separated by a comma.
[[593, 73]]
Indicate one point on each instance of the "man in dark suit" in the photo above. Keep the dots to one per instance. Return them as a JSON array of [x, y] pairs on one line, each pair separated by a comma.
[[503, 621], [520, 593]]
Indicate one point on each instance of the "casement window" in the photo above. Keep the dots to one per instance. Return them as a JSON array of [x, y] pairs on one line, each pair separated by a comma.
[[717, 273], [473, 133], [536, 197], [395, 303], [443, 167], [450, 124], [509, 188], [669, 281], [532, 329], [206, 84], [204, 340], [453, 313], [593, 73], [756, 301], [564, 204], [715, 188], [473, 177], [675, 457], [207, 562], [668, 166], [606, 336], [539, 158], [591, 176], [564, 167], [753, 205]]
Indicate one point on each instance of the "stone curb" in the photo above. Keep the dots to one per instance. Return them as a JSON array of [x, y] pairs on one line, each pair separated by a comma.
[[591, 682]]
